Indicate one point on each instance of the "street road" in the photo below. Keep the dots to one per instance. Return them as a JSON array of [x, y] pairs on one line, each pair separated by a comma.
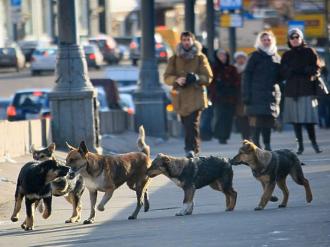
[[300, 224]]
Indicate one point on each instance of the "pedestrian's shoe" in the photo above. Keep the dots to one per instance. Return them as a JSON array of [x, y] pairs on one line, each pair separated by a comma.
[[267, 147], [300, 147], [190, 154], [316, 148]]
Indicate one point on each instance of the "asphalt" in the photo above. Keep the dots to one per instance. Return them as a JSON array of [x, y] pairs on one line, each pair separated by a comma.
[[300, 224]]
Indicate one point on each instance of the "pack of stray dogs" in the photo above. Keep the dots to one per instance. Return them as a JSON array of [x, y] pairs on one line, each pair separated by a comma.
[[47, 176]]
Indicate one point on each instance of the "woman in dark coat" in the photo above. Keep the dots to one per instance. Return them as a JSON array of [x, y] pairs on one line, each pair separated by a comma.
[[261, 93], [223, 93], [300, 66]]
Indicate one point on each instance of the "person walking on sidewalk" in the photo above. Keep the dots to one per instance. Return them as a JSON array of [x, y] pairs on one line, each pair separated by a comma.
[[242, 120], [189, 72], [261, 93], [300, 66], [224, 93]]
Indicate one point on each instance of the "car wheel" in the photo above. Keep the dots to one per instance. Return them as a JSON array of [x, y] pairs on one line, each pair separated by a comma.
[[35, 72]]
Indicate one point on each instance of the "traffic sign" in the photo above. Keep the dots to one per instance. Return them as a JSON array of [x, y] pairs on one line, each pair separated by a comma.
[[229, 5]]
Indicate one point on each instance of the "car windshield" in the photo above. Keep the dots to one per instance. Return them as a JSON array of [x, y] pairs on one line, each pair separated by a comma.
[[89, 49], [31, 99], [44, 52], [7, 51]]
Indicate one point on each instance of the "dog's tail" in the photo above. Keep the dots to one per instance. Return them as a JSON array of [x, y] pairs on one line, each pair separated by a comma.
[[142, 146]]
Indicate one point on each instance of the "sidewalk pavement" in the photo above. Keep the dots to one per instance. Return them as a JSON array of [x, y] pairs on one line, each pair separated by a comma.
[[126, 142]]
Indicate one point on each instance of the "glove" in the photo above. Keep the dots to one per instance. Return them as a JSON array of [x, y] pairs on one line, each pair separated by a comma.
[[191, 78]]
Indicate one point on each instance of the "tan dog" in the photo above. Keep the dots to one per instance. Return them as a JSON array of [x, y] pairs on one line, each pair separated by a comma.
[[108, 172], [272, 168]]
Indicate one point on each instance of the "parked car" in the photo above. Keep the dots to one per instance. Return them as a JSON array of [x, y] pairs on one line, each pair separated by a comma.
[[29, 46], [162, 49], [108, 47], [94, 57], [123, 44], [102, 99], [4, 103], [43, 59], [29, 104], [12, 57]]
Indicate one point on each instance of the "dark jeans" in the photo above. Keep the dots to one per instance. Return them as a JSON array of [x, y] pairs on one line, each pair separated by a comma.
[[243, 126], [191, 129], [224, 114], [206, 124]]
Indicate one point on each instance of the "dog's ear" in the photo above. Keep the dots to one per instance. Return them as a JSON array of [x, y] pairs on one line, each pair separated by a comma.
[[51, 147], [263, 156], [248, 146], [69, 146], [83, 148], [32, 148]]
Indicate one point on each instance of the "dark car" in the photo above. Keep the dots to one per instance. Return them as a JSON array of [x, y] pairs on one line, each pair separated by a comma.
[[163, 51], [12, 57], [108, 47], [29, 104], [93, 55]]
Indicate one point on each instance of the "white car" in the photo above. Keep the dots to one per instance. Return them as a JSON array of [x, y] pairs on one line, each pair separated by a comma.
[[43, 59]]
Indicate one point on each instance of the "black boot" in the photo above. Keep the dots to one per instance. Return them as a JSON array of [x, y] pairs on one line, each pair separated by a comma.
[[316, 147], [256, 135], [311, 134], [299, 138], [267, 147], [300, 147]]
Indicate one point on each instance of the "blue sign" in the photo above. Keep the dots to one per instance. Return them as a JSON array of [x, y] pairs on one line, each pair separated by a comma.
[[296, 24], [15, 2], [230, 4]]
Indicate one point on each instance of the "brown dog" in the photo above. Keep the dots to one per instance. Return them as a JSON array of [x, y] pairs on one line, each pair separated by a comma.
[[107, 172], [272, 168]]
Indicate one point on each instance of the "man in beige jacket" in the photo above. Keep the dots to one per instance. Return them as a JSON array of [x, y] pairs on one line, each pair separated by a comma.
[[189, 72]]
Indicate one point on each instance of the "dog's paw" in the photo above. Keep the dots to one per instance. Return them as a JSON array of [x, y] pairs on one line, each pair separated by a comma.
[[132, 217], [229, 209], [100, 207], [28, 228], [273, 199], [73, 220], [282, 206], [14, 218], [88, 221], [23, 226], [258, 208]]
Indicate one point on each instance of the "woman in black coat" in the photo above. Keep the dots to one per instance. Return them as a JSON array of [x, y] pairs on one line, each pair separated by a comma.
[[300, 67], [261, 93]]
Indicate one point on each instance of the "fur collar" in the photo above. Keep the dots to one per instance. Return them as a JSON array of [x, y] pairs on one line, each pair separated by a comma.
[[196, 49]]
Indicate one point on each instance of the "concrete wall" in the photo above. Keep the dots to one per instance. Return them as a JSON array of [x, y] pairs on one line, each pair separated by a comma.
[[17, 137]]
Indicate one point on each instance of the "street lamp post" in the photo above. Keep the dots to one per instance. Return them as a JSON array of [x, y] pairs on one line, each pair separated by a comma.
[[149, 98], [73, 99], [210, 29], [189, 9]]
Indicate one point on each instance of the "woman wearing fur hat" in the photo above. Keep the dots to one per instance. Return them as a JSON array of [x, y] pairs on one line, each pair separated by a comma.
[[300, 66], [261, 93], [189, 72]]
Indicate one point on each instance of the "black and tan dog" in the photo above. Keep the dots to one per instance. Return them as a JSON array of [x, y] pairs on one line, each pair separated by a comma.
[[192, 174], [33, 183], [272, 168], [71, 188], [107, 172]]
